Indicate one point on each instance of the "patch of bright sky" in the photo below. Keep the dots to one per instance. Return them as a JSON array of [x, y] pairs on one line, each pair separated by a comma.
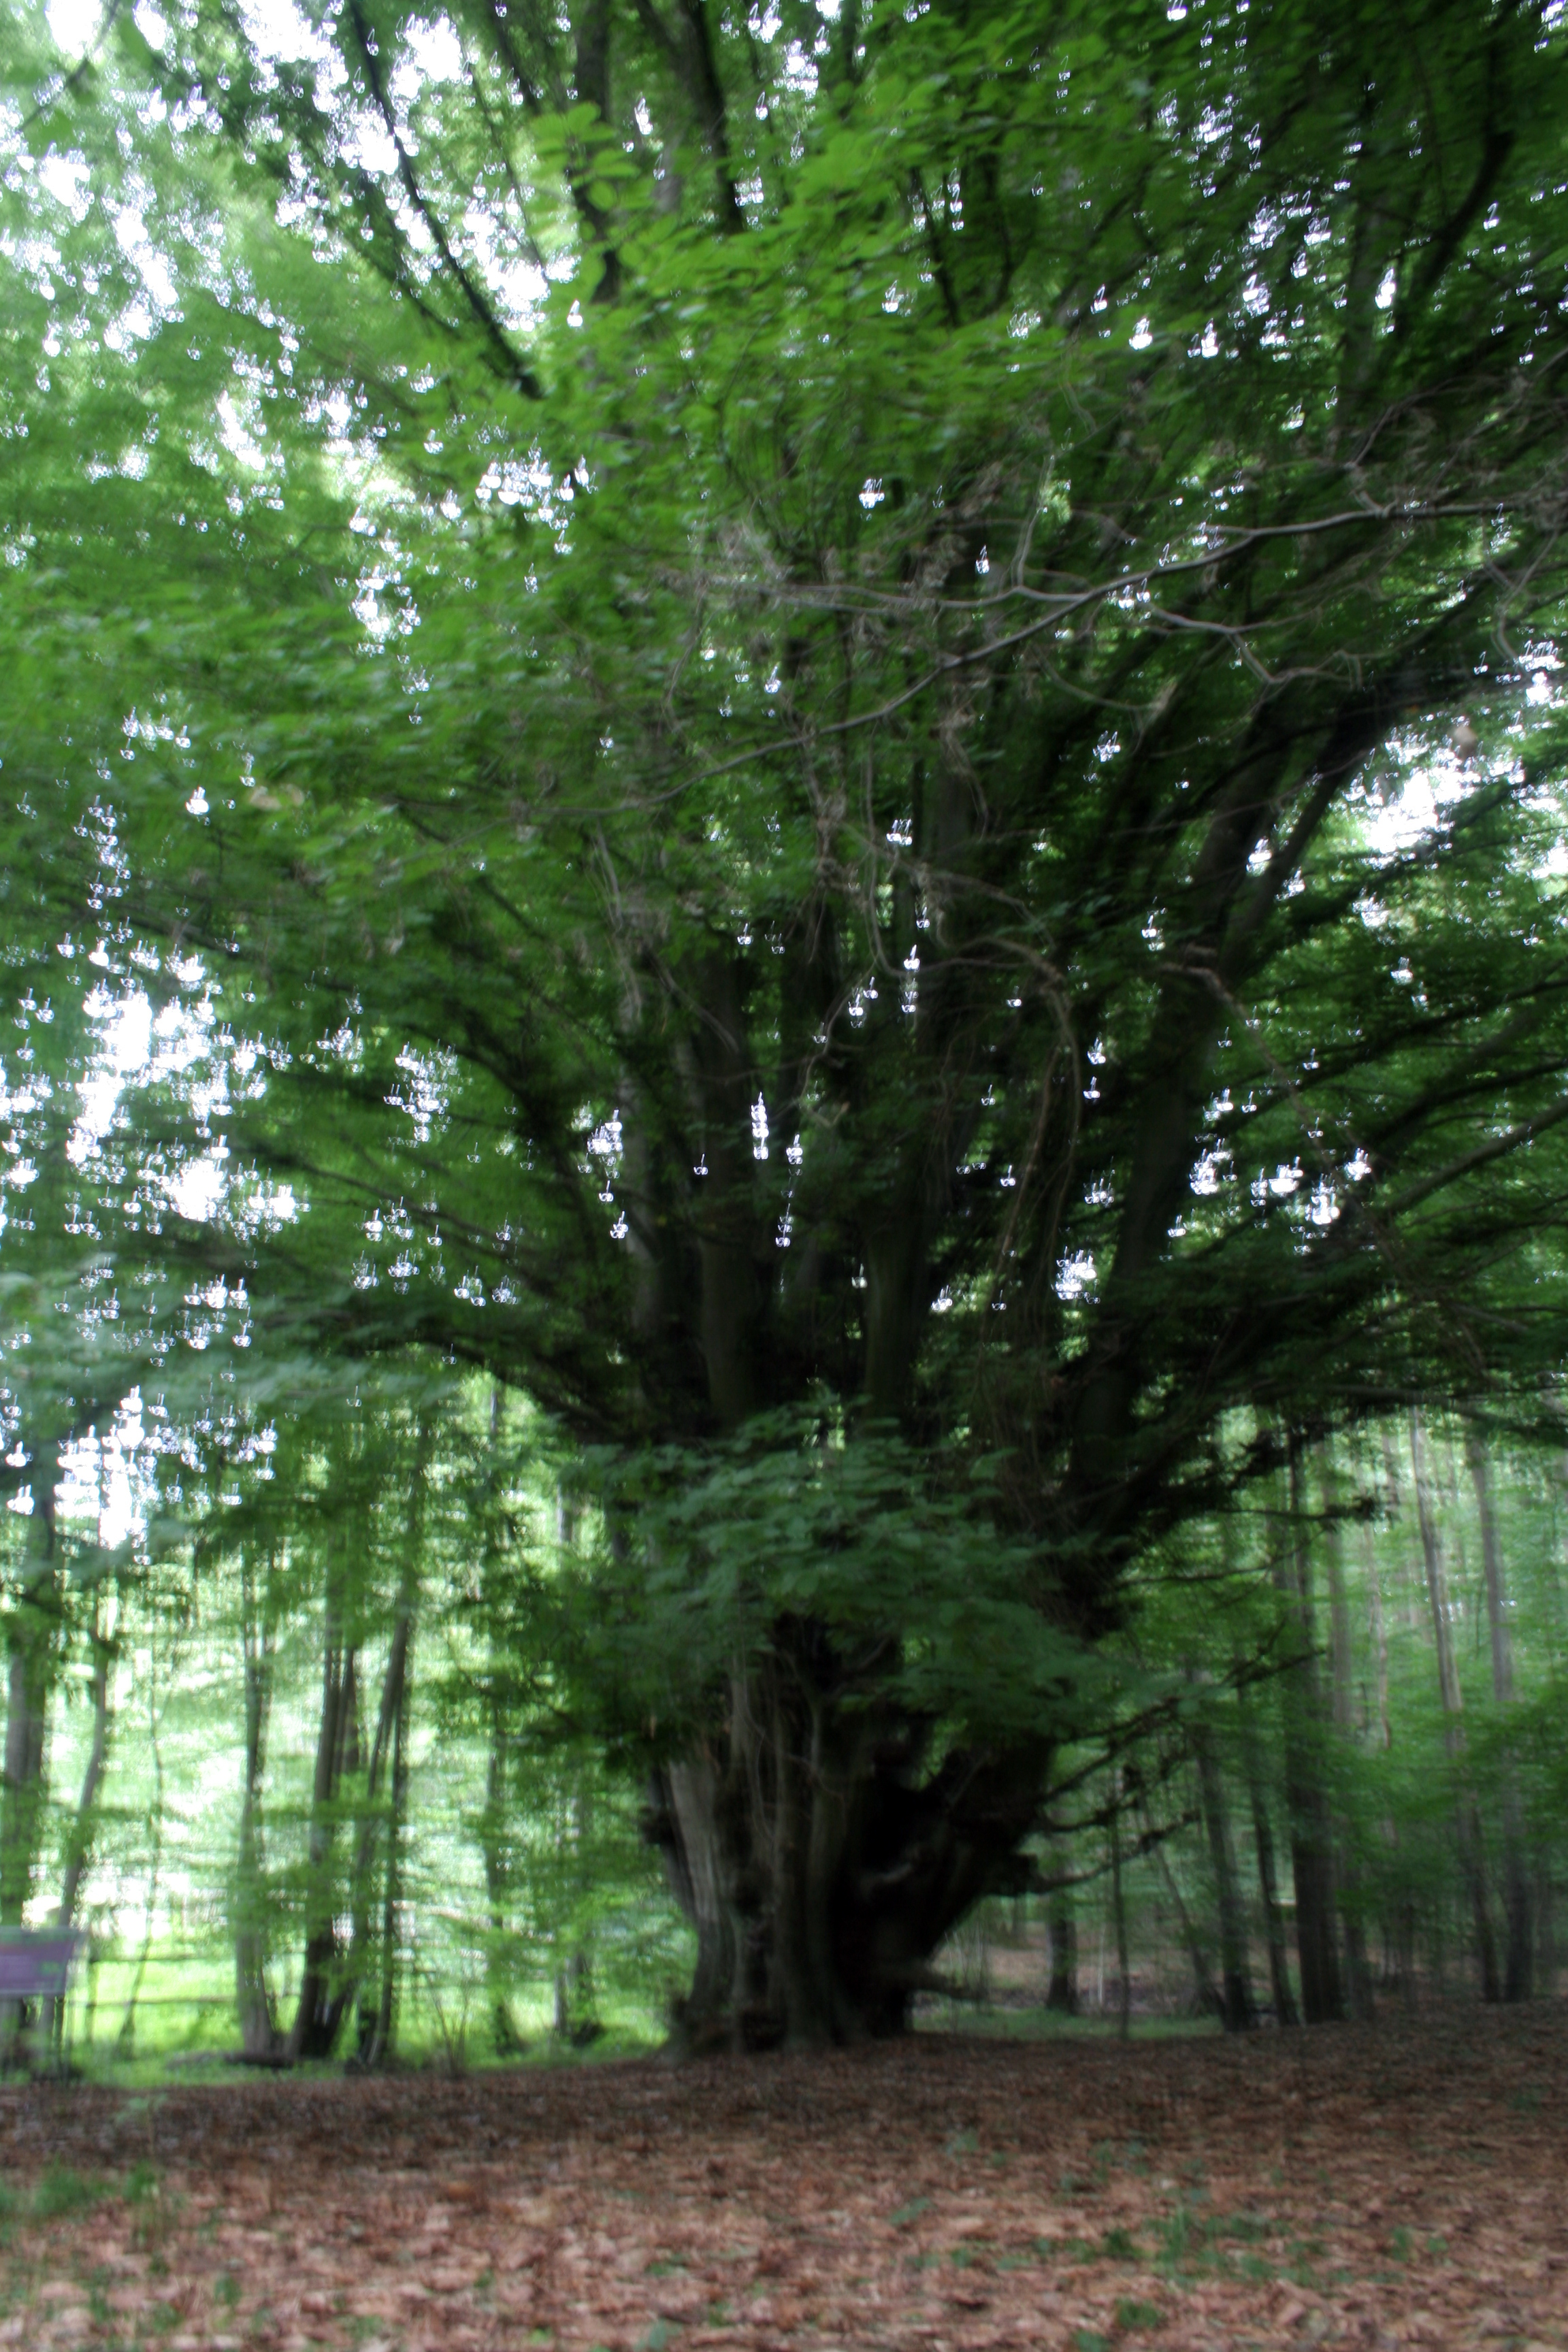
[[435, 54], [241, 443], [1075, 1275], [1425, 798], [130, 235], [138, 1045], [76, 25], [104, 1479], [283, 32], [65, 176], [1430, 792]]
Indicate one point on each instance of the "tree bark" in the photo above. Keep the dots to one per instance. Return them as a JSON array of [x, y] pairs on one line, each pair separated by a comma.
[[1472, 1862], [1284, 2010], [1210, 2001], [388, 1754], [576, 2004], [319, 2011], [1237, 2007], [380, 2045], [1358, 1973], [1519, 1962], [820, 1870], [1311, 1833], [79, 1837], [373, 1817], [126, 2040], [496, 1700], [1061, 1994], [503, 2027], [1118, 1915], [259, 2040], [1545, 1926]]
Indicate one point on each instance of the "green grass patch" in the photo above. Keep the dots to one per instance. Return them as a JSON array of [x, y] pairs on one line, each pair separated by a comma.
[[1131, 2313], [61, 2192]]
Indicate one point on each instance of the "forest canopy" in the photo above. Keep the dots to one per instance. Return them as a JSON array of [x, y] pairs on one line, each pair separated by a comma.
[[824, 743]]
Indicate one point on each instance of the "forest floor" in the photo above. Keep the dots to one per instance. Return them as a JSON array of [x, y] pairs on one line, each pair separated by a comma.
[[1369, 2186]]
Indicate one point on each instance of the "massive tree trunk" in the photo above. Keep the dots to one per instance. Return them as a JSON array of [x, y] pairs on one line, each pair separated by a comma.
[[820, 1859], [820, 1870]]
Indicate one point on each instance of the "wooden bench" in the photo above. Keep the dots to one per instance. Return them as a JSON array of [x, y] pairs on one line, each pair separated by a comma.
[[35, 1962], [35, 1966]]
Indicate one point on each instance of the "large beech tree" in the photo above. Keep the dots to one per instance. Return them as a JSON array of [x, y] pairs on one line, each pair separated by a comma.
[[848, 718]]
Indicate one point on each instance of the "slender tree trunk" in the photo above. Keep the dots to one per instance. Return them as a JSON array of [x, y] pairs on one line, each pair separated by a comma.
[[79, 1842], [1471, 1858], [1545, 1929], [1061, 1995], [1237, 2007], [386, 2022], [1210, 2001], [1358, 1973], [576, 2005], [260, 2039], [1285, 2009], [385, 1752], [1379, 1628], [493, 1841], [1398, 1919], [1519, 1967], [79, 1837], [1118, 1915], [1311, 1833], [126, 2040], [319, 2011], [492, 1834]]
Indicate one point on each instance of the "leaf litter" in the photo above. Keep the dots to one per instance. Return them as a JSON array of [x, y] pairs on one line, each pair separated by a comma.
[[1384, 2187]]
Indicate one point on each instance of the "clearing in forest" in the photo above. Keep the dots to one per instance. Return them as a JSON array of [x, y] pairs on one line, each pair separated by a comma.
[[1385, 2187]]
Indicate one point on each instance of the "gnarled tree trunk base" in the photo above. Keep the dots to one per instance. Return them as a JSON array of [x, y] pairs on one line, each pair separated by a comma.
[[820, 1870]]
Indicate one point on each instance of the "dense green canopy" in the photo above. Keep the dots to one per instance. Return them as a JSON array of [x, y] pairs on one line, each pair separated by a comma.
[[825, 721]]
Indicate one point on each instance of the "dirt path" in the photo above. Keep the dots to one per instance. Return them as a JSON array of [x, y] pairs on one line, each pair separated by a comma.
[[1402, 2187]]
